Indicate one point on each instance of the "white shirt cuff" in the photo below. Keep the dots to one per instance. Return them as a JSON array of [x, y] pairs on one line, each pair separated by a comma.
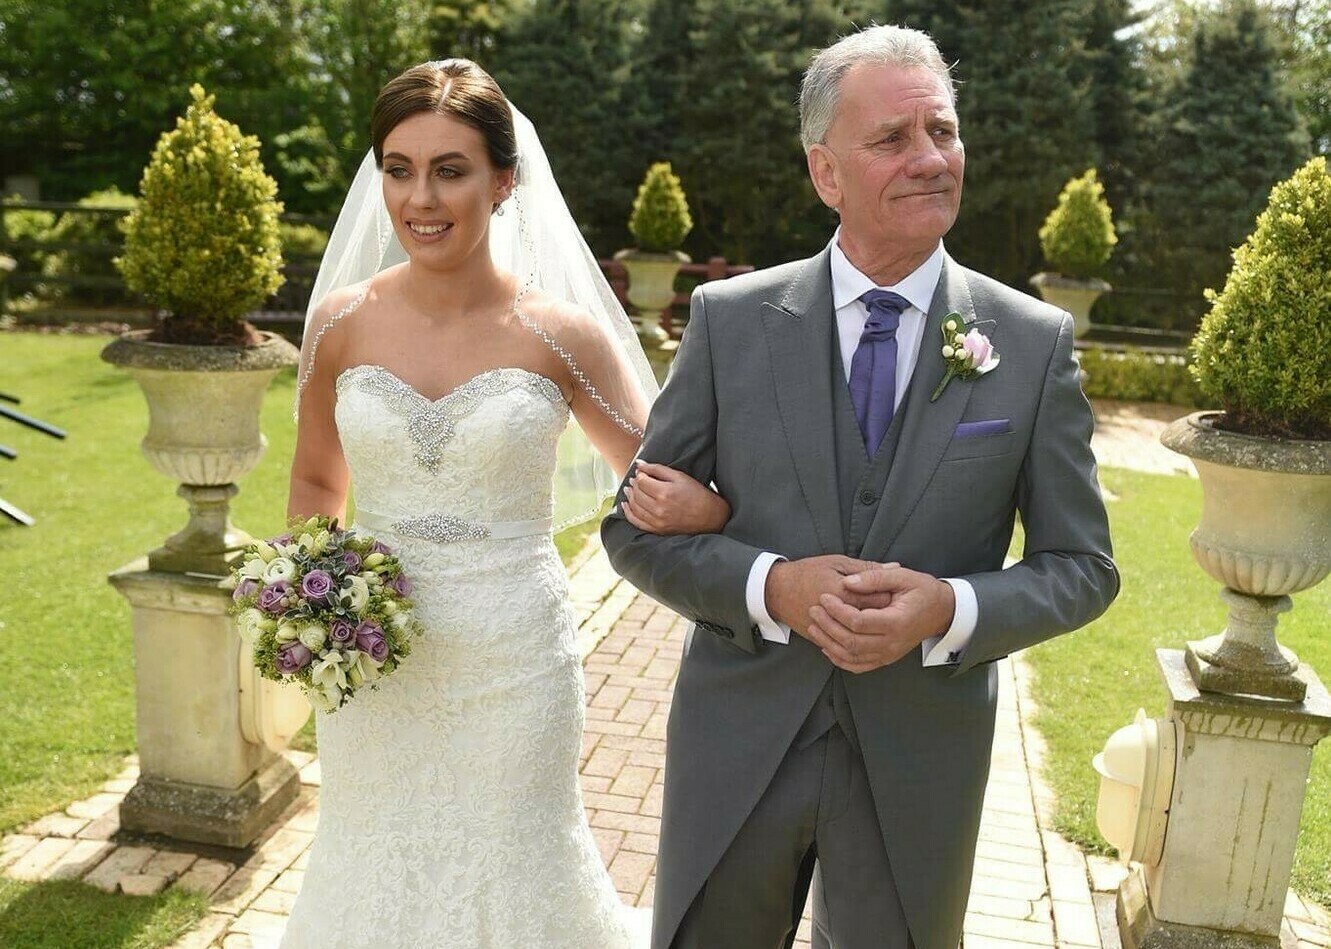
[[755, 598], [946, 650]]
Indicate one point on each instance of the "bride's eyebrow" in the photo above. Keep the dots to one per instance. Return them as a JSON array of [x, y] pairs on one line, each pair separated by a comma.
[[436, 160]]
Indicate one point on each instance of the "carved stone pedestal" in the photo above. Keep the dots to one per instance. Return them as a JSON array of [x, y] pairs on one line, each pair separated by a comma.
[[201, 779], [1242, 771]]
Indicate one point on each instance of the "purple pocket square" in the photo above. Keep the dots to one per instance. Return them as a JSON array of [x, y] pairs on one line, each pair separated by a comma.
[[994, 426]]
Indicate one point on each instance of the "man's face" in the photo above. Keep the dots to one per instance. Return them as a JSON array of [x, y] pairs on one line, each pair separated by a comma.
[[892, 162]]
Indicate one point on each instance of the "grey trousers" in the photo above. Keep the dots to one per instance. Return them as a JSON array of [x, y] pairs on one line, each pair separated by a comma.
[[814, 825]]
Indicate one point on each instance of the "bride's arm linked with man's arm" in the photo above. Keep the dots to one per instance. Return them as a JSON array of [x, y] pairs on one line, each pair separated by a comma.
[[667, 501]]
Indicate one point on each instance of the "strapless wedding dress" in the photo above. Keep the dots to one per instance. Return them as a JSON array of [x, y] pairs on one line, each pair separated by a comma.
[[450, 811]]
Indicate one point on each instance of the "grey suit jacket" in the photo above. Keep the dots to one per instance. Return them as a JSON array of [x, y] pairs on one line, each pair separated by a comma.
[[748, 406]]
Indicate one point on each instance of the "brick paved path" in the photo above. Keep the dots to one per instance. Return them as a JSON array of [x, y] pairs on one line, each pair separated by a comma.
[[1031, 888]]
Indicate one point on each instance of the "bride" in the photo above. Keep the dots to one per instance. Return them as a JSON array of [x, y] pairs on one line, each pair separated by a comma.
[[457, 322]]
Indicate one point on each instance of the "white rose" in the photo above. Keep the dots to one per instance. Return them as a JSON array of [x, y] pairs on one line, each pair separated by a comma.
[[285, 633], [398, 621], [252, 569], [312, 637], [354, 593], [279, 568], [247, 621], [372, 578]]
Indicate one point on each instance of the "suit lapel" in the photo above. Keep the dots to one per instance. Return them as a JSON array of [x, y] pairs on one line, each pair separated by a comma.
[[799, 326], [927, 426]]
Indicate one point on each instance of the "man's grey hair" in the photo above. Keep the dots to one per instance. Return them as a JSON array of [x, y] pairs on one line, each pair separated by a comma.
[[877, 45]]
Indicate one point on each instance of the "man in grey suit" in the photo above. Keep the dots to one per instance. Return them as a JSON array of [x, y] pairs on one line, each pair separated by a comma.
[[852, 756]]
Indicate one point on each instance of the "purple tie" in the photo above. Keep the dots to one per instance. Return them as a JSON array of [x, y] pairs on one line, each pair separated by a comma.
[[873, 370]]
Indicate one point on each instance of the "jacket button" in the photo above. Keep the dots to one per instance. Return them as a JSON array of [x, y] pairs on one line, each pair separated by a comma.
[[868, 497]]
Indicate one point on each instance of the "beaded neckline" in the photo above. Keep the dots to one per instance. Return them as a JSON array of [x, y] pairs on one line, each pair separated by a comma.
[[431, 423]]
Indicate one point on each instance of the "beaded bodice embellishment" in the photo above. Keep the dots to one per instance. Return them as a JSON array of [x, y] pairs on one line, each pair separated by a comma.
[[431, 422]]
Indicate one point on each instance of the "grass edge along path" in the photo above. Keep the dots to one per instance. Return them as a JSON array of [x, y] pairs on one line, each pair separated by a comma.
[[1090, 683]]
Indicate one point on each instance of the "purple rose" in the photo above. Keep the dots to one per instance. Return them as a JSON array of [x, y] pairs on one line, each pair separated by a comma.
[[316, 585], [342, 631], [282, 539], [271, 596], [293, 657], [370, 639], [352, 561], [243, 589], [401, 585], [378, 547]]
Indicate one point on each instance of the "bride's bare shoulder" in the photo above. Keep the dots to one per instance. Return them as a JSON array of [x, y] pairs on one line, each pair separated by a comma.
[[568, 322]]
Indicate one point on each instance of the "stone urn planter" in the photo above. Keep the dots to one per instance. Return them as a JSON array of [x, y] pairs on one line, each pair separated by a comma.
[[1072, 294], [651, 289], [210, 728], [1265, 533], [203, 431]]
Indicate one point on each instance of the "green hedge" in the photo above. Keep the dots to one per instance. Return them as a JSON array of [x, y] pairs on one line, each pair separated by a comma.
[[1139, 376]]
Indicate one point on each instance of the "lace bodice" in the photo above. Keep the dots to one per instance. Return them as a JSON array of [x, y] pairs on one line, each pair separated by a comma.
[[485, 451]]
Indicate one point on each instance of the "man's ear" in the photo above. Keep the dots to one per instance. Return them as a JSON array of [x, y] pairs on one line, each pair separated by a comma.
[[823, 172]]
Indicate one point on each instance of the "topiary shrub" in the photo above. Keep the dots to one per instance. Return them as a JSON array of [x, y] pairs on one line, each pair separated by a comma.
[[91, 242], [1264, 349], [204, 243], [26, 230], [302, 239], [1078, 235], [660, 220], [1137, 376]]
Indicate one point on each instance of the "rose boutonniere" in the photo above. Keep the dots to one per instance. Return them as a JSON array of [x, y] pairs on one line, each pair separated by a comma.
[[968, 356]]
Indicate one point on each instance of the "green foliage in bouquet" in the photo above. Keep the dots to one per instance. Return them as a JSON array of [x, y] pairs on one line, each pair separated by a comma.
[[660, 220], [1264, 350], [203, 243], [1078, 235]]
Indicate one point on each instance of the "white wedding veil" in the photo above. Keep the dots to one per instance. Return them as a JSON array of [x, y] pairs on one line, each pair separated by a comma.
[[536, 239]]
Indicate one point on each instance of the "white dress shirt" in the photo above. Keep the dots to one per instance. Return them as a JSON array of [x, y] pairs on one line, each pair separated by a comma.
[[848, 285]]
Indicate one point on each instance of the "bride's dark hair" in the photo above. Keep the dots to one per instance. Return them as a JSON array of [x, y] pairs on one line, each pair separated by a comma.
[[453, 87]]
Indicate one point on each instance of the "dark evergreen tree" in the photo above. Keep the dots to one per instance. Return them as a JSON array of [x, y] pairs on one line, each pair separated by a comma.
[[566, 64], [1026, 106], [1228, 131], [737, 146]]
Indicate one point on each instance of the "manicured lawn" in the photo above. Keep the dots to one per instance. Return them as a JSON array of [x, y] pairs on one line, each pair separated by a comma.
[[1090, 683], [74, 916], [67, 711]]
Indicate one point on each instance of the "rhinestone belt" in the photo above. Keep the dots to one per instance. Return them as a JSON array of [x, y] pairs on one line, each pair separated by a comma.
[[447, 528]]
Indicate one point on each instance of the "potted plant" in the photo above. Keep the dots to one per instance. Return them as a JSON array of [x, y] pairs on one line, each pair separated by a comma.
[[659, 223], [203, 246], [1263, 352], [1077, 238]]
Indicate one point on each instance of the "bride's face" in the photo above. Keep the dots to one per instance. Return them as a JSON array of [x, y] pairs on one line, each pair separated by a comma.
[[440, 188]]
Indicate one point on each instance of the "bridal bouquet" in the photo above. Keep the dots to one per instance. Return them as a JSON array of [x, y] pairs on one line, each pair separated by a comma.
[[324, 607]]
